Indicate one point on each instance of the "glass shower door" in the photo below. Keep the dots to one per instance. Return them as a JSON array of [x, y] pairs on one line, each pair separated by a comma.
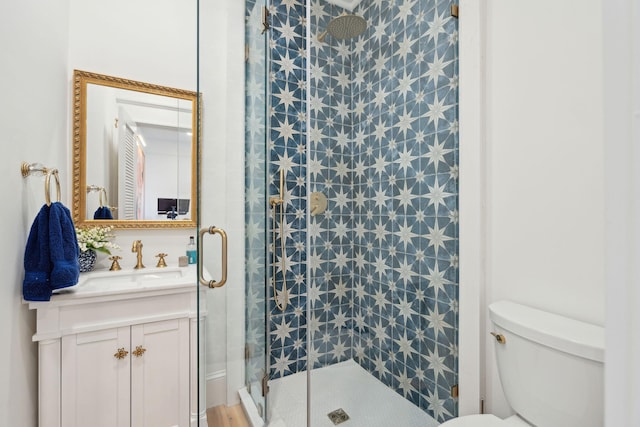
[[256, 359], [368, 123]]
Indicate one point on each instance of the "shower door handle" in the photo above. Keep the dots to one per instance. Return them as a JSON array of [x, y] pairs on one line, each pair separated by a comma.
[[223, 236]]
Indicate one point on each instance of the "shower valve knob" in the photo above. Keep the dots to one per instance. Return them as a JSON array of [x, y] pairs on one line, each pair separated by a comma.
[[318, 203]]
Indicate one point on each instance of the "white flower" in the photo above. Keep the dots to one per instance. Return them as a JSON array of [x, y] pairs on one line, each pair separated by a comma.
[[95, 238]]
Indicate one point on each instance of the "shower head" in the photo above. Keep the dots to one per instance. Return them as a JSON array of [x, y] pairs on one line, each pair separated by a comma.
[[344, 27]]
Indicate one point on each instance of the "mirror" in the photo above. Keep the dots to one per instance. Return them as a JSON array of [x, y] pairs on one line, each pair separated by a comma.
[[134, 153]]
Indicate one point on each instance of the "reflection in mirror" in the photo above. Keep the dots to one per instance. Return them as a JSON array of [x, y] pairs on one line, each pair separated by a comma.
[[136, 147]]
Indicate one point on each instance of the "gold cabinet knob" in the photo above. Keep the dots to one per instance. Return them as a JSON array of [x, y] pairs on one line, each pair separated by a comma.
[[121, 354], [139, 351], [499, 337]]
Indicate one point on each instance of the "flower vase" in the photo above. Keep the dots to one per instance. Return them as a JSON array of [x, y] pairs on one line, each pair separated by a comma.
[[87, 260]]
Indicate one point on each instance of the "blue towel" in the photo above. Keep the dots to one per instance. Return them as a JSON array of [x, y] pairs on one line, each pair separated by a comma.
[[51, 254], [37, 264], [63, 245], [103, 212]]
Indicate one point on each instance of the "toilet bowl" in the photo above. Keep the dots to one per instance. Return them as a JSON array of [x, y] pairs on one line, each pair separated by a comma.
[[551, 369]]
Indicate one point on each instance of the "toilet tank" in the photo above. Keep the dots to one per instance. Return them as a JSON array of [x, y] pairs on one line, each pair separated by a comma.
[[551, 367]]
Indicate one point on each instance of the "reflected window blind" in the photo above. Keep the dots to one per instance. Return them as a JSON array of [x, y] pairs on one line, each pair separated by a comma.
[[129, 185]]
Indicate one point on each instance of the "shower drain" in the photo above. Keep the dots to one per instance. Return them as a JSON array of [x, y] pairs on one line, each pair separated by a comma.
[[338, 416]]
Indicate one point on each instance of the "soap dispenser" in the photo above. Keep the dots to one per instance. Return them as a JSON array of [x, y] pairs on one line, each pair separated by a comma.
[[192, 251]]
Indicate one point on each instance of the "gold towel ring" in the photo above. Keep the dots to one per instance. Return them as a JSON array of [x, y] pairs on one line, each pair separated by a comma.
[[47, 185], [102, 194]]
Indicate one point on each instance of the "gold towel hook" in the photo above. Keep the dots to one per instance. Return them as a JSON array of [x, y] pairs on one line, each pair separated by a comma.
[[30, 168], [47, 186]]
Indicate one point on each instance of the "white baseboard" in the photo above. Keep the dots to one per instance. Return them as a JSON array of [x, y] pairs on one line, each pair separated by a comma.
[[216, 388]]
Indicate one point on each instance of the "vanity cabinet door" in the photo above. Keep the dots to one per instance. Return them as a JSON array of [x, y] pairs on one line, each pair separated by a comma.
[[160, 374], [96, 379]]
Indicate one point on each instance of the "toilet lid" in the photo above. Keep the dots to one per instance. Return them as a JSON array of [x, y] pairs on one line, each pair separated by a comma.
[[484, 420]]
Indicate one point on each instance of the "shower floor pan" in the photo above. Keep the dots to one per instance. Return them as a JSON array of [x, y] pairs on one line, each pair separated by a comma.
[[347, 386]]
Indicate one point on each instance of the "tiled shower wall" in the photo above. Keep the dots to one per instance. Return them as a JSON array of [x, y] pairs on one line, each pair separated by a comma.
[[405, 145], [382, 146], [330, 294]]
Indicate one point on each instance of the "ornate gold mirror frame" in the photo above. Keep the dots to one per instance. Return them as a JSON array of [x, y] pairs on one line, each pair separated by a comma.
[[80, 185]]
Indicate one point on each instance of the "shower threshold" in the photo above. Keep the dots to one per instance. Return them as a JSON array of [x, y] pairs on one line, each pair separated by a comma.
[[347, 386]]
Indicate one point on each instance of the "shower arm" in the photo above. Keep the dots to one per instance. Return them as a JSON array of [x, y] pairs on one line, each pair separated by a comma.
[[322, 36]]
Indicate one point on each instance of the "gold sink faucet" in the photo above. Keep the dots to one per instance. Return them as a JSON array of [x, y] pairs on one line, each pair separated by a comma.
[[137, 247]]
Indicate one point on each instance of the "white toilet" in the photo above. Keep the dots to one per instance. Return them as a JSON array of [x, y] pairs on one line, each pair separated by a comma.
[[551, 369]]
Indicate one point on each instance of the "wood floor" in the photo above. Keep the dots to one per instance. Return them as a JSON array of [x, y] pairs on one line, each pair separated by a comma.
[[223, 416]]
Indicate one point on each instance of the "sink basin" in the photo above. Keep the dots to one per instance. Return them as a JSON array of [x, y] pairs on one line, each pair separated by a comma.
[[98, 281]]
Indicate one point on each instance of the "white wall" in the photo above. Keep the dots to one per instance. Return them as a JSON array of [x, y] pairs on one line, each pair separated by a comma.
[[472, 206], [541, 234], [152, 42], [621, 20], [99, 130], [167, 174], [33, 119]]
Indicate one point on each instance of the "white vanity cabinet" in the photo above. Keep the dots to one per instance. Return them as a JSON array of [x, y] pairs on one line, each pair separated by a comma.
[[119, 354], [139, 374]]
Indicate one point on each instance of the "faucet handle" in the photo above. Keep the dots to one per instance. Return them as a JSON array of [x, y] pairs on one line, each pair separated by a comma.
[[115, 265], [161, 261]]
